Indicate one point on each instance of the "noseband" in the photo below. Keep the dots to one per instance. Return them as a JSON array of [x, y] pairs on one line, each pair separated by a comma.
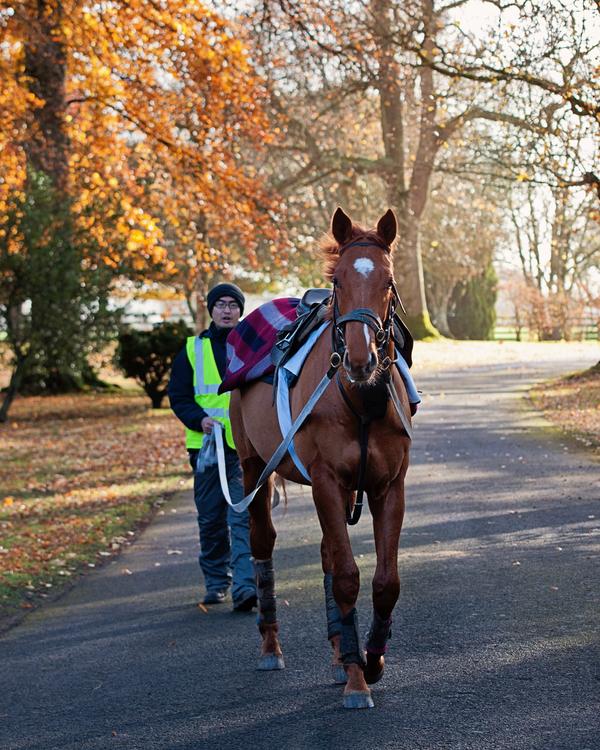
[[370, 318]]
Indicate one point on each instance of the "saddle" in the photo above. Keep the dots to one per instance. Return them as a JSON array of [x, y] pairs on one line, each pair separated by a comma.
[[311, 312]]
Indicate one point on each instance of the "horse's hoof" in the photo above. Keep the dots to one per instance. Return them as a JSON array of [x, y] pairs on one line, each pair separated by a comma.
[[339, 674], [270, 662], [373, 669], [358, 699]]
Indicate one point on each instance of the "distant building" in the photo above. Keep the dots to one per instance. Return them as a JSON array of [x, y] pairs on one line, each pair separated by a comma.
[[143, 313]]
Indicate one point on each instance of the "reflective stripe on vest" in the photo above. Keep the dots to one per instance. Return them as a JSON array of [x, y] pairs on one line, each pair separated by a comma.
[[206, 385]]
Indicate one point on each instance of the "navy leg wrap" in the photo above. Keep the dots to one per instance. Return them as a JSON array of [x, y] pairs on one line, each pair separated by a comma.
[[265, 587], [378, 635], [350, 640], [334, 616]]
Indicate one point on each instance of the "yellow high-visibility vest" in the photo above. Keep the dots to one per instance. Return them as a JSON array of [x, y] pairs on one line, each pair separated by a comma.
[[206, 384]]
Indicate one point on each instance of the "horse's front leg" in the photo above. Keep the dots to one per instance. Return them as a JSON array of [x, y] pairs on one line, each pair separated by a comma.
[[262, 541], [388, 513], [330, 502], [334, 617]]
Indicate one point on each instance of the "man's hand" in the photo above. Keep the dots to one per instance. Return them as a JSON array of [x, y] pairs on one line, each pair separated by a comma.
[[207, 425]]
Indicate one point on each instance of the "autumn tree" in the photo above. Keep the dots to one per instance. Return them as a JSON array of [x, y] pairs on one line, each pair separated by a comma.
[[421, 74], [558, 244], [134, 117]]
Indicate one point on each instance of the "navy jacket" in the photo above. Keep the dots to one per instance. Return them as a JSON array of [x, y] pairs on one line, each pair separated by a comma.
[[181, 383]]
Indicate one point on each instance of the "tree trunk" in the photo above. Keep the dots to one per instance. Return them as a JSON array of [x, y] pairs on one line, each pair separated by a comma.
[[438, 305], [409, 274], [409, 204], [45, 69], [157, 398], [13, 387], [202, 280], [58, 341], [201, 310]]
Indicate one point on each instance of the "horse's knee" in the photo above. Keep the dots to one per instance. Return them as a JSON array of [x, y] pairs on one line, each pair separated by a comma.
[[262, 542], [386, 590], [346, 583]]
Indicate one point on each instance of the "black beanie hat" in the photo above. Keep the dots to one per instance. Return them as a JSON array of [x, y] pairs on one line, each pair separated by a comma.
[[225, 290]]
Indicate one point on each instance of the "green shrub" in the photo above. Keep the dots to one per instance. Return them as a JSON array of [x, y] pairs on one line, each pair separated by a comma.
[[148, 356], [472, 313]]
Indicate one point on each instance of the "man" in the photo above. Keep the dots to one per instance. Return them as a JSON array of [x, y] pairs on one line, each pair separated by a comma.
[[224, 534]]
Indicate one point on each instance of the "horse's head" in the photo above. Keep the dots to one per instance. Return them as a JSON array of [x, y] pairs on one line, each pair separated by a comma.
[[359, 264]]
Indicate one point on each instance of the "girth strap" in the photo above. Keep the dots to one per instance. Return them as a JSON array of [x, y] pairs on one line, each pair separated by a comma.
[[353, 517]]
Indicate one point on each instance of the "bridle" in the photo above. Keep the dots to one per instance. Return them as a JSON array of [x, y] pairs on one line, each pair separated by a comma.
[[382, 330]]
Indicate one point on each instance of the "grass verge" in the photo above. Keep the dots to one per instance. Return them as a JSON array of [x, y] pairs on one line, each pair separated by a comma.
[[573, 404], [79, 476]]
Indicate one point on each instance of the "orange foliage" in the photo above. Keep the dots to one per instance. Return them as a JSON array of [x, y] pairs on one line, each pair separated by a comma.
[[573, 403], [161, 101], [78, 475]]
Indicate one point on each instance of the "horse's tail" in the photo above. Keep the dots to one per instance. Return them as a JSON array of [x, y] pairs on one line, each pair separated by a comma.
[[281, 481]]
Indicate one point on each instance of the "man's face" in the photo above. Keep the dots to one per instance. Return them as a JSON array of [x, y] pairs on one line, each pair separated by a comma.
[[226, 312]]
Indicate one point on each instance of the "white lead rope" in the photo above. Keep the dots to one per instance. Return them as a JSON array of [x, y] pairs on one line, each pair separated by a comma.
[[282, 449], [218, 430], [242, 505]]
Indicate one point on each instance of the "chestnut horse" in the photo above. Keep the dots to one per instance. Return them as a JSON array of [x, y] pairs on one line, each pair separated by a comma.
[[359, 265]]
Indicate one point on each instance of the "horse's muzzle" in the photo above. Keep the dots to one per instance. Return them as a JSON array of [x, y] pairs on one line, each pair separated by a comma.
[[360, 372]]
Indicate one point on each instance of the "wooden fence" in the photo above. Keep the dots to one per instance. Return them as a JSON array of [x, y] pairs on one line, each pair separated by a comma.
[[507, 330]]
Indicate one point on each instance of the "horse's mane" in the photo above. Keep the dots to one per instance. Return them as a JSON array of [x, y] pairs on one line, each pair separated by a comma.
[[329, 247]]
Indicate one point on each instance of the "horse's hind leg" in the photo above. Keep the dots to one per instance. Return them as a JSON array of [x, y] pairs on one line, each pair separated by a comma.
[[262, 541]]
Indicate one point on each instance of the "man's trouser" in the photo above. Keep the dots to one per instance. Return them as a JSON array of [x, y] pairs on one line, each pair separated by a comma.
[[224, 558]]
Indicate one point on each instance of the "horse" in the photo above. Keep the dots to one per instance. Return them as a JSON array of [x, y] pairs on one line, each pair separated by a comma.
[[358, 263]]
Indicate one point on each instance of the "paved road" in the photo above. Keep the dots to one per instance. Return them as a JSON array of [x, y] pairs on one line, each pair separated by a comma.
[[495, 641]]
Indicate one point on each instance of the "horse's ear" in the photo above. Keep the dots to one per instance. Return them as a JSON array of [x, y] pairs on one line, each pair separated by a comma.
[[341, 226], [387, 227]]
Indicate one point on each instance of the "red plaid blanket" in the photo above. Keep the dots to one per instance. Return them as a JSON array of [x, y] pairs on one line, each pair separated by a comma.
[[249, 344]]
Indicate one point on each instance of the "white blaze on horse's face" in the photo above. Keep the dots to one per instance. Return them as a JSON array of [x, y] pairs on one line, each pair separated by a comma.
[[364, 266]]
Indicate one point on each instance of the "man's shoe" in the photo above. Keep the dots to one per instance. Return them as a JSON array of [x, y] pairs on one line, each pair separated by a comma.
[[245, 604], [214, 597]]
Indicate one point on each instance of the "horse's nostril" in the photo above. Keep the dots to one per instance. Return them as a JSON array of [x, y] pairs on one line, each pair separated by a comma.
[[360, 371]]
